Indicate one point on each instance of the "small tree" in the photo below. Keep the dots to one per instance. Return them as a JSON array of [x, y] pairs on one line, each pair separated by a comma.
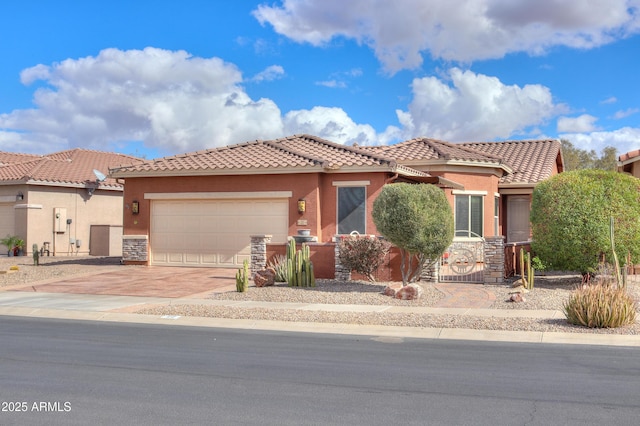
[[418, 220], [571, 219]]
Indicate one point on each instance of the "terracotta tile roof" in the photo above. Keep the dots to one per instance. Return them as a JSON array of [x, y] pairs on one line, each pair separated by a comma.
[[531, 160], [14, 157], [298, 153], [629, 155], [72, 167], [421, 149], [523, 162]]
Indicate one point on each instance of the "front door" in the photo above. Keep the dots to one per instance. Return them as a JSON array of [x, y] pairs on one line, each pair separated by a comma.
[[518, 210]]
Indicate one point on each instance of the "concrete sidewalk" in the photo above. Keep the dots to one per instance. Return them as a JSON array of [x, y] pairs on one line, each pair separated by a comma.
[[113, 309]]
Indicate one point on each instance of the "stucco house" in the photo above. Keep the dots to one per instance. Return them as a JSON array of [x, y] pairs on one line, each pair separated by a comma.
[[200, 208], [63, 199], [630, 163]]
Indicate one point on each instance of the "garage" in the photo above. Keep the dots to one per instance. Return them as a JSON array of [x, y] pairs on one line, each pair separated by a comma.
[[213, 233]]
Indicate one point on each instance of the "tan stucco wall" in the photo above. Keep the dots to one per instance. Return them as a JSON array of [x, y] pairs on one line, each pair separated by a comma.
[[37, 214]]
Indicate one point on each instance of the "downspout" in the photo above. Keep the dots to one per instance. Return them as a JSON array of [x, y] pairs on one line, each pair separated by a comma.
[[391, 179]]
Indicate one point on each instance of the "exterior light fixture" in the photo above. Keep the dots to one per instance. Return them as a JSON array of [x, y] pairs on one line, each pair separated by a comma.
[[302, 205], [20, 196], [135, 207]]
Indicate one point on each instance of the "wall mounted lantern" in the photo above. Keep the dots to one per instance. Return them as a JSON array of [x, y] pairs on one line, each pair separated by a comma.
[[20, 196], [135, 207], [302, 205]]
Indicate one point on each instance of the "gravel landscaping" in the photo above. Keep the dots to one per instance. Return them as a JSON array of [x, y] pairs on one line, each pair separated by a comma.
[[550, 292]]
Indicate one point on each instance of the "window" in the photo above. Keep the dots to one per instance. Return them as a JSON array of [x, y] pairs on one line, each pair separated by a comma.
[[469, 217], [351, 209]]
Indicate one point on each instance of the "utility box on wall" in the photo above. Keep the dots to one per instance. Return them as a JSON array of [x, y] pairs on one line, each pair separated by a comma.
[[105, 240], [59, 220]]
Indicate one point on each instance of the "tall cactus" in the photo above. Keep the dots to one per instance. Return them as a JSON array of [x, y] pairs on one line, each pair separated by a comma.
[[527, 272], [300, 268], [242, 277]]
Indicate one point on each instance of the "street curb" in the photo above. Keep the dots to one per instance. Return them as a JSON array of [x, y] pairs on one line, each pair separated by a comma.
[[395, 332]]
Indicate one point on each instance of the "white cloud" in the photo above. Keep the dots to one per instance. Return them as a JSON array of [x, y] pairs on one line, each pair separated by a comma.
[[333, 84], [168, 99], [330, 123], [610, 100], [273, 72], [582, 124], [460, 30], [624, 140], [625, 113], [474, 107]]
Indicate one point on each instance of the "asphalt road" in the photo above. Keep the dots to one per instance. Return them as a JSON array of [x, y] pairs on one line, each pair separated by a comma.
[[74, 372]]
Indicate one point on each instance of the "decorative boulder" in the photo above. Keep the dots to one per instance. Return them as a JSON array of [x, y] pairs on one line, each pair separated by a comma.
[[388, 291], [409, 292], [264, 278], [517, 298]]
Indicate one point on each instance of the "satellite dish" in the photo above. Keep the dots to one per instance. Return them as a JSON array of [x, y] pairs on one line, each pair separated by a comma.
[[99, 175]]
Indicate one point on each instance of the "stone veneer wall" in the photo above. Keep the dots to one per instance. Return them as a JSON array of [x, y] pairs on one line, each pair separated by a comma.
[[342, 273], [259, 252], [135, 248], [430, 273], [494, 260]]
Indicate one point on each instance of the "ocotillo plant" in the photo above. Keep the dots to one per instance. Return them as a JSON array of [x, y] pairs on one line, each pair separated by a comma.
[[242, 277], [620, 279]]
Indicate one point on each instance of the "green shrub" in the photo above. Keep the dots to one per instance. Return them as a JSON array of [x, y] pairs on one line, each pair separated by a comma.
[[418, 220], [363, 254], [571, 216], [600, 305]]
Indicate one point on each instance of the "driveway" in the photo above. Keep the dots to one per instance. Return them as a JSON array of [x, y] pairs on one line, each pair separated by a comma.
[[142, 281]]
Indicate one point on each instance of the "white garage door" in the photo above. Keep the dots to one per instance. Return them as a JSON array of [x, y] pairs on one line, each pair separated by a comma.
[[7, 221], [213, 232]]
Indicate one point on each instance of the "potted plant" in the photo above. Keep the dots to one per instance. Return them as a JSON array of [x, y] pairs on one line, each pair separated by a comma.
[[10, 242], [19, 247]]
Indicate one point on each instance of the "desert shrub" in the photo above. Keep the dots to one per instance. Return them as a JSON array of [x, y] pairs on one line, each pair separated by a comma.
[[363, 254], [418, 220], [279, 264], [571, 218], [600, 305]]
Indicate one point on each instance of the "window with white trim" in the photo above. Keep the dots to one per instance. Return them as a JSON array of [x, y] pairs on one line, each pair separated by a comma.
[[469, 215], [352, 209]]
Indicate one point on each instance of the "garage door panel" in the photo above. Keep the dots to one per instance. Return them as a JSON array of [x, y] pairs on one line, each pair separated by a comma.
[[213, 232]]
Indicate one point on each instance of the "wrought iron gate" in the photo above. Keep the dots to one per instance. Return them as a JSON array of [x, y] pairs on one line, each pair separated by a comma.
[[463, 261]]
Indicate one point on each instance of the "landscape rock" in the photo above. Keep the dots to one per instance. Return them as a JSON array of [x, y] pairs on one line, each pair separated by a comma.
[[265, 278], [409, 292], [517, 298], [388, 291]]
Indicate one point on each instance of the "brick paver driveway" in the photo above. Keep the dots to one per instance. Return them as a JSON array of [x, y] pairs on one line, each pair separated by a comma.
[[147, 281]]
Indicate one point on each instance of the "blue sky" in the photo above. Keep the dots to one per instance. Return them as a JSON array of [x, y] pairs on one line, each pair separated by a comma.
[[156, 78]]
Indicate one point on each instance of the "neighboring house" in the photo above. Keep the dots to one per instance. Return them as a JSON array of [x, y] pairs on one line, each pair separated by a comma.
[[58, 199], [630, 163], [199, 209]]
